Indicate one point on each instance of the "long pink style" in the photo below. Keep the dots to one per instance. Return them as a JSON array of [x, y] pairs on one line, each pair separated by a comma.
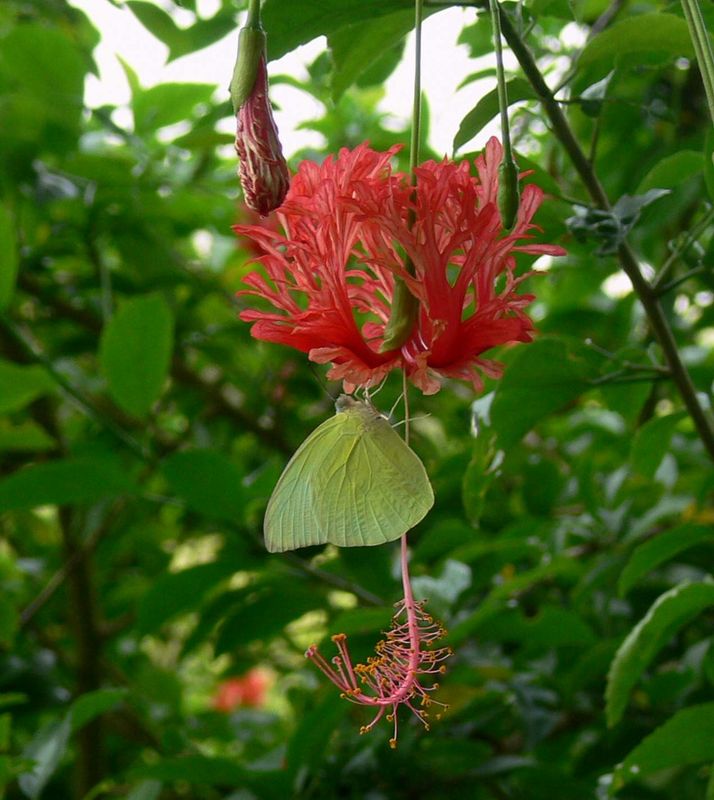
[[392, 677]]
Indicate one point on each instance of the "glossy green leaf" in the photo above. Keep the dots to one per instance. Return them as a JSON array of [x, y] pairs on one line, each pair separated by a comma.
[[542, 379], [91, 705], [654, 33], [292, 24], [261, 618], [157, 22], [79, 481], [660, 549], [709, 163], [135, 353], [671, 611], [178, 592], [19, 386], [672, 171], [48, 67], [46, 749], [27, 437], [146, 790], [487, 108], [686, 738], [355, 47], [209, 482], [9, 622], [167, 104], [651, 443], [9, 261], [197, 771]]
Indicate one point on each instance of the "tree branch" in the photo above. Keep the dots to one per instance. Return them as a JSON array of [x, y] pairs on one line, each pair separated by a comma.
[[628, 260]]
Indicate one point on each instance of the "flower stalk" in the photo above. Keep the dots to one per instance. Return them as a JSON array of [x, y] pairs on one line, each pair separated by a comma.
[[508, 194]]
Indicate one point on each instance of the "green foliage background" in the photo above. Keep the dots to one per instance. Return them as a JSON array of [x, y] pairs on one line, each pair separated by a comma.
[[570, 548]]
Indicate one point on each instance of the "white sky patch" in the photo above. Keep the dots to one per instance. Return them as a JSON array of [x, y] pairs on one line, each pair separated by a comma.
[[444, 65], [617, 285]]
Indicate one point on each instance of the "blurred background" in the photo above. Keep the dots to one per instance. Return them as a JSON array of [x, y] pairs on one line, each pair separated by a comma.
[[150, 648]]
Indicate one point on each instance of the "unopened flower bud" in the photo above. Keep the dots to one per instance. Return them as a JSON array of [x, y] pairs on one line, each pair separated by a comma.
[[508, 194], [263, 170]]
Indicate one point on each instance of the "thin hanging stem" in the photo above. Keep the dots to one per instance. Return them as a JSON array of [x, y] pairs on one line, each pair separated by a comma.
[[416, 104], [253, 18], [501, 81]]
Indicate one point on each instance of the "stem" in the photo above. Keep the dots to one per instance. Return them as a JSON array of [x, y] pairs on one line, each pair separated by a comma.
[[628, 260], [416, 102], [252, 20], [501, 81], [702, 49], [405, 306]]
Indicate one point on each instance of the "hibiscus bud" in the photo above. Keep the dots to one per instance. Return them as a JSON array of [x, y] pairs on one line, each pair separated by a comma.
[[401, 320], [508, 195], [263, 171]]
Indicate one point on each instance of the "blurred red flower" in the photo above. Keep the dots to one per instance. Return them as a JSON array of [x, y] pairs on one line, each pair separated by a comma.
[[247, 690], [349, 226]]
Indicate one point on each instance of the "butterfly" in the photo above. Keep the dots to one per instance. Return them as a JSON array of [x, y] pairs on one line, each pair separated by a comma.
[[352, 482]]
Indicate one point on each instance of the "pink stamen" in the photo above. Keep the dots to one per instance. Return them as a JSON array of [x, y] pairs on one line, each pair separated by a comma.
[[393, 676]]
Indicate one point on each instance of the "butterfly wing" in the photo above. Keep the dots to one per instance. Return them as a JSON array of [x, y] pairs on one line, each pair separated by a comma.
[[292, 518], [380, 492], [352, 482]]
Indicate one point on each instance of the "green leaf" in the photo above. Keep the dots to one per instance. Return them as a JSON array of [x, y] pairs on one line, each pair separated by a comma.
[[181, 41], [542, 378], [672, 171], [48, 67], [157, 22], [487, 108], [135, 353], [63, 482], [19, 386], [168, 104], [362, 621], [709, 163], [356, 47], [668, 614], [27, 437], [146, 790], [177, 592], [686, 738], [9, 261], [197, 771], [655, 33], [660, 549], [93, 704], [46, 750], [310, 741], [651, 443], [9, 622], [299, 21], [208, 481], [262, 618]]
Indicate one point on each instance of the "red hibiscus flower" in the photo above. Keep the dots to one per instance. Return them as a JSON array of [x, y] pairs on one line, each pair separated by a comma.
[[351, 224], [247, 690]]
